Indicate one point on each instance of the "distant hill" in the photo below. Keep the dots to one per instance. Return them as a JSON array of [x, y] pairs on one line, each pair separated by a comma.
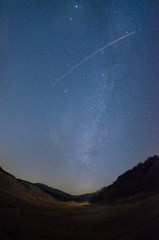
[[142, 179], [17, 189], [24, 189], [62, 196], [55, 193]]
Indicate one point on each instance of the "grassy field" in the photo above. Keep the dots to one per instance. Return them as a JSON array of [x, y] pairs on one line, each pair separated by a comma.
[[136, 218]]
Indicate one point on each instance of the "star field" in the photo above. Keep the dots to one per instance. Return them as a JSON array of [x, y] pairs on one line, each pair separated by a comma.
[[99, 120]]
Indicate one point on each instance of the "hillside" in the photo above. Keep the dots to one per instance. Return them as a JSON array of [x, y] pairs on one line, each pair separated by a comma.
[[142, 179], [16, 189]]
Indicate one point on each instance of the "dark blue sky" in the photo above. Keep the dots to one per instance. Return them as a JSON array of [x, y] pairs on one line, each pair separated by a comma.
[[98, 121]]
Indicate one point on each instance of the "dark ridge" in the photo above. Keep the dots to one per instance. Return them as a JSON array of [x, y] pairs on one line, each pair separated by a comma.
[[26, 184], [1, 170], [55, 193], [83, 197], [142, 179]]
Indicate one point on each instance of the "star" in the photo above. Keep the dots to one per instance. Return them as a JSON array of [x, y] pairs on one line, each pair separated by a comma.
[[83, 106]]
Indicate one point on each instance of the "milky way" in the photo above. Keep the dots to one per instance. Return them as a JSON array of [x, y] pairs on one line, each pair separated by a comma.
[[102, 118]]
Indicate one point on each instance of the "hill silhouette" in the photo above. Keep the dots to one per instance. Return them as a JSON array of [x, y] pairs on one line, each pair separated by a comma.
[[141, 179], [17, 188]]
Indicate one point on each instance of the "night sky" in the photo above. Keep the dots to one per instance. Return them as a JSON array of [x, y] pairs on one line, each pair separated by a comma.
[[99, 120]]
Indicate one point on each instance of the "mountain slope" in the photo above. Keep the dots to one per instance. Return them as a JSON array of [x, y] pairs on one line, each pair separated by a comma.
[[55, 193], [142, 179], [16, 189]]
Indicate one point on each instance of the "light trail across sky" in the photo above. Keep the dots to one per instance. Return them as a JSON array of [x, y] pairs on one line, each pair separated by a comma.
[[90, 56]]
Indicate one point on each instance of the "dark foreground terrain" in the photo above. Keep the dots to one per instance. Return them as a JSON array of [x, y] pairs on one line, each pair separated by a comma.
[[28, 212]]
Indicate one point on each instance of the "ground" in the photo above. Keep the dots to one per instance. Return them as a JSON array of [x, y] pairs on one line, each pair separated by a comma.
[[132, 219]]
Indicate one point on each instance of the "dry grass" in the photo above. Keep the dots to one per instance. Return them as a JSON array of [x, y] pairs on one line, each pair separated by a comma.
[[134, 219]]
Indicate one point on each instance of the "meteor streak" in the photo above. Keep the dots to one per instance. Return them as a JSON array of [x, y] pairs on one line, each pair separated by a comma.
[[90, 56]]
